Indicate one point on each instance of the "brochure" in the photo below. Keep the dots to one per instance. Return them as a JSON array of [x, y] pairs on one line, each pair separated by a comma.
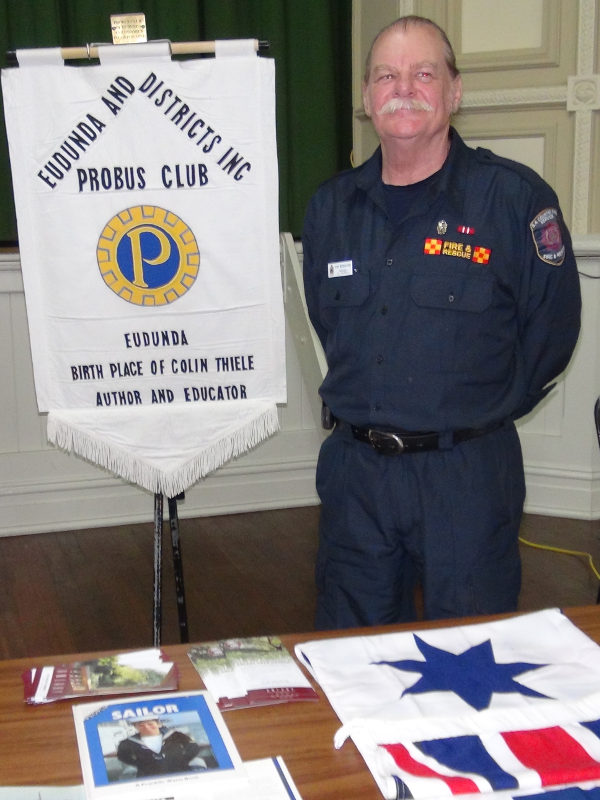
[[156, 747], [125, 673], [258, 670], [42, 793], [266, 779]]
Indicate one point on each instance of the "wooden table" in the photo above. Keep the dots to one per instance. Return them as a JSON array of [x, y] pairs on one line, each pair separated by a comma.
[[38, 746]]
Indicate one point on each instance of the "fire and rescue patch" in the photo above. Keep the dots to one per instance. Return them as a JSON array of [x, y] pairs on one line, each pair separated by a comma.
[[547, 237], [437, 247]]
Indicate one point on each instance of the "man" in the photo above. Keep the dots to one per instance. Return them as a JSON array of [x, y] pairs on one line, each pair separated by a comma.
[[443, 287], [156, 750]]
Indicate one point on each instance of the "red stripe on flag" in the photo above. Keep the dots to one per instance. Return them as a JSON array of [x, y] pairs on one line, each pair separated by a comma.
[[404, 760], [553, 754]]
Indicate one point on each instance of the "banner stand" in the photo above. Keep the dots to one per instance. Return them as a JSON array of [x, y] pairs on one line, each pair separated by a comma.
[[88, 52], [177, 568]]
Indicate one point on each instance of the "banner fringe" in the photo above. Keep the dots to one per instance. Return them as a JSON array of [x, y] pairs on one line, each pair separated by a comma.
[[127, 465]]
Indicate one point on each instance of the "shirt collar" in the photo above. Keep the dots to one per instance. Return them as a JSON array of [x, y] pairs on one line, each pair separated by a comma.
[[451, 179]]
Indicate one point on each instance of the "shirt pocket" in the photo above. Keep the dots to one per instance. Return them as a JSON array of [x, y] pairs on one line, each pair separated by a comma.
[[341, 300], [347, 290], [340, 294], [465, 293], [448, 320]]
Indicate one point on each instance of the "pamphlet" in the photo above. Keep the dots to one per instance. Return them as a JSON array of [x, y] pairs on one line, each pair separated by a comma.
[[266, 779], [157, 746], [258, 670], [42, 793], [125, 673]]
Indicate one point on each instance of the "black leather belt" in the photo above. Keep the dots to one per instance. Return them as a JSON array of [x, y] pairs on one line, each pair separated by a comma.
[[392, 443]]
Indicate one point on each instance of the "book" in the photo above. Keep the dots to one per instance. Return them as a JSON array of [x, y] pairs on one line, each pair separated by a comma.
[[257, 670], [124, 673], [156, 747]]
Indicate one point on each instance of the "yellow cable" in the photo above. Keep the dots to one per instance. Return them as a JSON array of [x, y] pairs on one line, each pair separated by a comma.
[[564, 552]]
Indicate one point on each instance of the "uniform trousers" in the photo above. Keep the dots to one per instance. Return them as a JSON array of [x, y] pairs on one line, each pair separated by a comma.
[[445, 519]]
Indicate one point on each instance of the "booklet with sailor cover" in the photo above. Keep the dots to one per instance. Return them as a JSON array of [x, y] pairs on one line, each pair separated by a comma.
[[157, 747]]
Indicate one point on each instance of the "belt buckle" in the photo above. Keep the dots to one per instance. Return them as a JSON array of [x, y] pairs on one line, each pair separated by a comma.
[[386, 442]]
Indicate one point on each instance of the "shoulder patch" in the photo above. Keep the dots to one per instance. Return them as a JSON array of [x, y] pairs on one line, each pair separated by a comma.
[[547, 237]]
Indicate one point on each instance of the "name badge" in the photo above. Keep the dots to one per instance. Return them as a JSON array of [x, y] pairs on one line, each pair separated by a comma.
[[337, 269]]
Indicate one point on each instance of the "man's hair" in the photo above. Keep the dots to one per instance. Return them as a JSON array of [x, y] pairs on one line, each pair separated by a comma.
[[402, 24]]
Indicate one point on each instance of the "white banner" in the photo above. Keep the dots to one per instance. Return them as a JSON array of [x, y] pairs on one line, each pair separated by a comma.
[[146, 197]]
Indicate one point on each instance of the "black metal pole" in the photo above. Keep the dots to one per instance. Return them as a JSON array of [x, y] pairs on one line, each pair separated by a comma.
[[157, 607], [178, 569]]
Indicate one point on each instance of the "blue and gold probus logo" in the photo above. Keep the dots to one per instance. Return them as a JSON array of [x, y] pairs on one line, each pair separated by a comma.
[[148, 256]]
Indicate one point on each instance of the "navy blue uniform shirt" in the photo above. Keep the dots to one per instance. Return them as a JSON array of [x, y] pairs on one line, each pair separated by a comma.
[[458, 315]]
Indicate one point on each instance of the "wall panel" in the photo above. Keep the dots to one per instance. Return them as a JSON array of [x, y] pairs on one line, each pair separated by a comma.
[[549, 149]]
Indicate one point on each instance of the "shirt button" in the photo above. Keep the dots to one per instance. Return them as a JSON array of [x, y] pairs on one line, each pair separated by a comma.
[[389, 262], [450, 298], [379, 359]]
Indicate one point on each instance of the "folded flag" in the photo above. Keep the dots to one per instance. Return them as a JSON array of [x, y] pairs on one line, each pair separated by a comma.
[[504, 708], [570, 793], [473, 757]]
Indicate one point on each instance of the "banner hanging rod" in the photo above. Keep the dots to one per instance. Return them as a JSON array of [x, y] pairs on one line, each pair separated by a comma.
[[90, 51]]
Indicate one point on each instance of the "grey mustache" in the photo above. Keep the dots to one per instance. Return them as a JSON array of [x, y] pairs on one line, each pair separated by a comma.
[[397, 104]]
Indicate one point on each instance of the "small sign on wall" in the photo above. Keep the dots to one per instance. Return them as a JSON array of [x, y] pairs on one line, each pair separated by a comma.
[[128, 28]]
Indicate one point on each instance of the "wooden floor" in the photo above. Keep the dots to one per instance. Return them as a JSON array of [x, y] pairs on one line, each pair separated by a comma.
[[244, 574]]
